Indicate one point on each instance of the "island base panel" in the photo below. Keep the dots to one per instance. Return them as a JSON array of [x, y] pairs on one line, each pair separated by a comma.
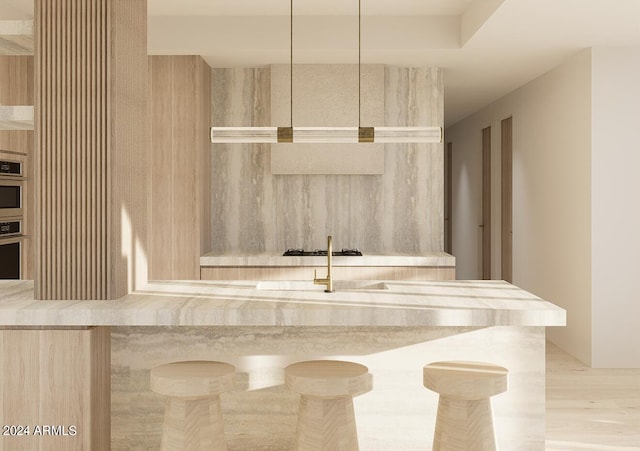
[[56, 382], [260, 413]]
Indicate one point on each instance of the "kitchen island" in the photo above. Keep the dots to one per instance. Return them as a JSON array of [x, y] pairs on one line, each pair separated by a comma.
[[393, 327]]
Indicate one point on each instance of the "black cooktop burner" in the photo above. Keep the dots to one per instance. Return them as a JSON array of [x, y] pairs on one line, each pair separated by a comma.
[[320, 253]]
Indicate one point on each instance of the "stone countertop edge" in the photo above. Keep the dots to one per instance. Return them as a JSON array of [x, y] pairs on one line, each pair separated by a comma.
[[239, 303], [436, 259]]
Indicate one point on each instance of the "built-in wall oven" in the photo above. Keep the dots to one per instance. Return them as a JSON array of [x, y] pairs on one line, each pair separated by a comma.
[[10, 189], [10, 260], [10, 242], [10, 199], [11, 168], [11, 217]]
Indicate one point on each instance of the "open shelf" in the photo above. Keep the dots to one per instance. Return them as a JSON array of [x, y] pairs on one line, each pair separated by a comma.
[[16, 37], [16, 117]]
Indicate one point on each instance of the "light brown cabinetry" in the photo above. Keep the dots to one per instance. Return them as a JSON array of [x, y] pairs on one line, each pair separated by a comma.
[[179, 194], [339, 272]]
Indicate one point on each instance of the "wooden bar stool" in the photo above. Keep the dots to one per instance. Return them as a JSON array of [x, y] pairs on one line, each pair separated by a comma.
[[326, 421], [464, 420], [192, 416]]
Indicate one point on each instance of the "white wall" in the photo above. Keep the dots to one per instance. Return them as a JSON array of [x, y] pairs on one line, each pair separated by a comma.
[[551, 193], [615, 207], [466, 212]]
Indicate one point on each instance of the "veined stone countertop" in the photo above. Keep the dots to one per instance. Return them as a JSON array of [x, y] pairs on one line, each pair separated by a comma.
[[241, 303], [277, 259]]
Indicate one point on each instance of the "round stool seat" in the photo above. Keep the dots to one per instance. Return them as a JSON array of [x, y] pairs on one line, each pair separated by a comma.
[[327, 378], [465, 380], [192, 379]]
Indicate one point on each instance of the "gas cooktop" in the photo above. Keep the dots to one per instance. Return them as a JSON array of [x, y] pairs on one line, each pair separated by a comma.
[[320, 253]]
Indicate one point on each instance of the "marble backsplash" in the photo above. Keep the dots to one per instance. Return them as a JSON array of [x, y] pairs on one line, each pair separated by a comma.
[[400, 211], [327, 96]]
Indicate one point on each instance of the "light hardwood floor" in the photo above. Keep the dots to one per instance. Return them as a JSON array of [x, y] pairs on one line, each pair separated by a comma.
[[590, 409]]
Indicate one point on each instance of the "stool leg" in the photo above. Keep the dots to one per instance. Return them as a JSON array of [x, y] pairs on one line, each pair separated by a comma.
[[463, 425], [326, 424], [193, 425]]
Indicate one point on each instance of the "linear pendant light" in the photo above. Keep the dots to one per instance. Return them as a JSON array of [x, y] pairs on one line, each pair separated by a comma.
[[329, 135]]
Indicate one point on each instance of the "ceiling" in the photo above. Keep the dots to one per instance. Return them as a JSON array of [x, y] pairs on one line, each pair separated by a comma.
[[487, 48]]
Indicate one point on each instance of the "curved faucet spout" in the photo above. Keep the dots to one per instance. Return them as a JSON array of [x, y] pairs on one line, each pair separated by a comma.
[[328, 281], [329, 265]]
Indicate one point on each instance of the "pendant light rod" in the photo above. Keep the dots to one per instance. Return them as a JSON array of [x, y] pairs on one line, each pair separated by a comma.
[[291, 64], [359, 134], [365, 134], [359, 63]]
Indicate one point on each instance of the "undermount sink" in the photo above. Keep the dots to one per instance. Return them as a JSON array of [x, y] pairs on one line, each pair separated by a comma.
[[308, 285]]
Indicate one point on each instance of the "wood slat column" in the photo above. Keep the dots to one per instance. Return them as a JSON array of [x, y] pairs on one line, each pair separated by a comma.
[[91, 147]]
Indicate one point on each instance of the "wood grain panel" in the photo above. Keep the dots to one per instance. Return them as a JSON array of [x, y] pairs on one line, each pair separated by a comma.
[[21, 370], [91, 75], [204, 121], [100, 388], [16, 80], [180, 106], [56, 377], [19, 141], [339, 273], [185, 168], [128, 159], [161, 205]]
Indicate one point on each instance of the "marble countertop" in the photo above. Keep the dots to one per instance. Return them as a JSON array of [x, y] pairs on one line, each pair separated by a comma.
[[241, 303], [277, 259]]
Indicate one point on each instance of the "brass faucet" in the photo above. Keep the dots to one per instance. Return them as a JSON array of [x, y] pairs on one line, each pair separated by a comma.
[[328, 281]]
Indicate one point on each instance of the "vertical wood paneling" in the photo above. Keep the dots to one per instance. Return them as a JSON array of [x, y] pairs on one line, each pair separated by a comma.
[[204, 121], [161, 129], [127, 164], [91, 157], [16, 81], [184, 161], [66, 185], [179, 94]]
